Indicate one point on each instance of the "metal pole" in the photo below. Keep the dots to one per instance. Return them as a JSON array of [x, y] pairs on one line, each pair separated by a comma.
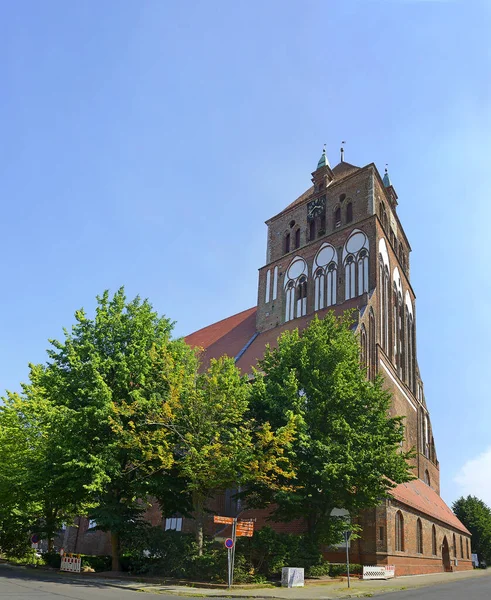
[[229, 568], [234, 537], [347, 558]]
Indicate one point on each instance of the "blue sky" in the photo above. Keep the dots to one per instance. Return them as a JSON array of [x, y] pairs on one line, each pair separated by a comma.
[[145, 143]]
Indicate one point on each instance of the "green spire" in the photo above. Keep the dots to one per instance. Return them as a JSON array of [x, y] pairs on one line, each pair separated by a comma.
[[323, 162], [387, 181]]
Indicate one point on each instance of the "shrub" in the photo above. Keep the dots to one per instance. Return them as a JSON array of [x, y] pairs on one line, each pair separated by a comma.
[[337, 569], [98, 563], [318, 570], [52, 559]]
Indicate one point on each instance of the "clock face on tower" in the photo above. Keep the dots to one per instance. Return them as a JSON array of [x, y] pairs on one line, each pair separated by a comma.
[[316, 207]]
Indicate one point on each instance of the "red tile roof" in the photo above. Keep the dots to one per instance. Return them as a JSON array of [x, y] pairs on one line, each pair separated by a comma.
[[420, 496], [228, 336]]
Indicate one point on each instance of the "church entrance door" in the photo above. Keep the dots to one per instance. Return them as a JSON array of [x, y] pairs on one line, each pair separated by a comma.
[[446, 556]]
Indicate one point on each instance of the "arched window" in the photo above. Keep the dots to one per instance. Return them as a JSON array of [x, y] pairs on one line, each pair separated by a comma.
[[312, 230], [371, 343], [337, 218], [290, 301], [419, 537], [427, 477], [287, 243], [362, 272], [454, 546], [384, 307], [302, 297], [319, 287], [297, 238], [332, 274], [461, 548], [363, 347], [350, 280], [399, 532], [467, 547], [349, 212], [433, 541]]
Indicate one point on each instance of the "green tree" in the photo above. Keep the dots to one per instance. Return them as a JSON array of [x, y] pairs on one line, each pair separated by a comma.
[[347, 453], [476, 516], [114, 374], [216, 443], [39, 490]]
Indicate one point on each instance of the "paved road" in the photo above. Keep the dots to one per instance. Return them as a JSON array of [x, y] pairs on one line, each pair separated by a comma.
[[20, 584], [467, 589]]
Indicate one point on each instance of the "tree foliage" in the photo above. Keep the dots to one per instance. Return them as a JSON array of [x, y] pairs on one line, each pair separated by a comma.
[[347, 453], [476, 516]]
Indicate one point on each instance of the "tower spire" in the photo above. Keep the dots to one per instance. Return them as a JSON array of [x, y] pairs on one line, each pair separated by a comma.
[[323, 162], [387, 181]]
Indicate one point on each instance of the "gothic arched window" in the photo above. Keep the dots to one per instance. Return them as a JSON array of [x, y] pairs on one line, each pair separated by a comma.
[[319, 287], [362, 272], [350, 279], [419, 537], [461, 548], [363, 347], [297, 238], [302, 297], [332, 271], [467, 547], [454, 546], [371, 344], [349, 212], [399, 532], [427, 477], [287, 243], [290, 301], [433, 541]]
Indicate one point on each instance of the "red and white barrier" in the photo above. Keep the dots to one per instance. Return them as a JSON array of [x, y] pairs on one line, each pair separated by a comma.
[[381, 572], [72, 564]]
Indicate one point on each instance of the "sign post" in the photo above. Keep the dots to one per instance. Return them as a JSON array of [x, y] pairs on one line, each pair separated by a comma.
[[239, 529], [347, 535]]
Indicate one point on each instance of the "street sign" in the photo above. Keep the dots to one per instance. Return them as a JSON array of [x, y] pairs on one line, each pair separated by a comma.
[[35, 538], [245, 529], [223, 520], [229, 543], [346, 535]]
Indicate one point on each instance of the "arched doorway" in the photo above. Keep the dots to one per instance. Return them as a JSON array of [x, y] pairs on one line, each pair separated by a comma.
[[446, 555]]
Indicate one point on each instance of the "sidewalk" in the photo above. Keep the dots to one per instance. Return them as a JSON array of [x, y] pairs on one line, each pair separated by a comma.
[[313, 590]]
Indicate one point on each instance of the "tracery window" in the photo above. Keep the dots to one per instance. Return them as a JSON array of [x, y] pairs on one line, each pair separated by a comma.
[[302, 297], [332, 272], [319, 286], [399, 530], [362, 272], [290, 301], [350, 280]]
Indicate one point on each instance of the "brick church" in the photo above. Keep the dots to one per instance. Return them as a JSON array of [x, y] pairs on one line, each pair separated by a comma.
[[340, 245]]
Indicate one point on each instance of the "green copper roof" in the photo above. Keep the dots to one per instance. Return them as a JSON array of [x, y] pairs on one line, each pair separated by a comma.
[[387, 181], [323, 162]]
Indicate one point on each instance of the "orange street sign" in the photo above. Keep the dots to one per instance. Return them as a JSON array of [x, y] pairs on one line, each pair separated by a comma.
[[223, 520], [245, 529]]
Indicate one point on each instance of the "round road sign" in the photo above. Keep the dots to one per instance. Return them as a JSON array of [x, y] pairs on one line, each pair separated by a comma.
[[229, 543], [35, 538]]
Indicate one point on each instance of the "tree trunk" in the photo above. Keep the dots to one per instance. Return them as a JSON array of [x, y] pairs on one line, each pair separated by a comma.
[[116, 566], [51, 543], [199, 512]]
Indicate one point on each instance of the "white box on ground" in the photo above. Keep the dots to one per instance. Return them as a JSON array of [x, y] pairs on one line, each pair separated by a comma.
[[292, 577]]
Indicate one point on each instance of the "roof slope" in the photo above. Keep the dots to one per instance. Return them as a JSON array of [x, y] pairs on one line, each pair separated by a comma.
[[420, 496]]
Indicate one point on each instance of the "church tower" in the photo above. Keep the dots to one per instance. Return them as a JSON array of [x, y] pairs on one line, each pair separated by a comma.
[[338, 246]]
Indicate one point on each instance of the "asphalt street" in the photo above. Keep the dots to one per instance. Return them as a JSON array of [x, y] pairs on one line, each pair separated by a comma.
[[467, 589], [19, 584]]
